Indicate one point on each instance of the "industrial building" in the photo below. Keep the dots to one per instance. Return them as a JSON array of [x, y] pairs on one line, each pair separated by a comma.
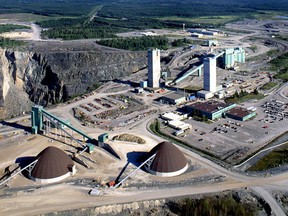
[[173, 98], [154, 68], [211, 43], [211, 109], [232, 56], [228, 58], [210, 74], [52, 165], [168, 161], [179, 125], [197, 35], [203, 31], [205, 94], [138, 90], [241, 114], [172, 116]]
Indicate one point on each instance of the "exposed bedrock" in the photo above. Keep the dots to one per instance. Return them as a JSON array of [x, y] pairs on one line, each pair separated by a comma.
[[28, 78]]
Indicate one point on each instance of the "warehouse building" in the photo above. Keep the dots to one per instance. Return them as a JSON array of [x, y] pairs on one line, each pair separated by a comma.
[[211, 109], [205, 94], [241, 114], [179, 125], [173, 116], [197, 35], [173, 98], [203, 32]]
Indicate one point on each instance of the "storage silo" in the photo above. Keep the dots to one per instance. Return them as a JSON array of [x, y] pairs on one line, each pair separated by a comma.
[[168, 161], [53, 165]]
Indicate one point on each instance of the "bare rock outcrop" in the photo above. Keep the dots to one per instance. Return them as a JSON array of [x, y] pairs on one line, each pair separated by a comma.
[[28, 77]]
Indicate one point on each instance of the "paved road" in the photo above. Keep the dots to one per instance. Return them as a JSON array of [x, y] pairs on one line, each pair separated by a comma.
[[283, 91], [270, 200]]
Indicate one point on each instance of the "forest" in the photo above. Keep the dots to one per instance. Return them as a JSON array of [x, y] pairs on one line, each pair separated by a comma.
[[135, 44], [140, 8], [51, 8], [71, 19]]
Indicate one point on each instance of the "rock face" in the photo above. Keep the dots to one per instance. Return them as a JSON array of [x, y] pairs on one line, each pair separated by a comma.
[[28, 77]]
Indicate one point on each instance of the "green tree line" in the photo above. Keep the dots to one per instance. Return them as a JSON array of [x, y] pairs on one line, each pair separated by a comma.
[[74, 33], [181, 42], [8, 43], [10, 27], [134, 44]]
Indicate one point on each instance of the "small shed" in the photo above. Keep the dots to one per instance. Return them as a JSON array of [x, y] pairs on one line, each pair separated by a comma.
[[138, 90], [102, 139], [144, 84]]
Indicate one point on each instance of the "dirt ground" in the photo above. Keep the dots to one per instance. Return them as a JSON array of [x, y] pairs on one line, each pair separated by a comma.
[[105, 169], [21, 35]]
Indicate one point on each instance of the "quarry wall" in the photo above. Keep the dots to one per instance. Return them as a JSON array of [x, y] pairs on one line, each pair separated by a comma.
[[28, 78]]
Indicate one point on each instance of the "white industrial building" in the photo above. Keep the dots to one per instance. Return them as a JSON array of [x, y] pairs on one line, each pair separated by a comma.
[[203, 31], [179, 125], [205, 94], [210, 74], [172, 116], [154, 68]]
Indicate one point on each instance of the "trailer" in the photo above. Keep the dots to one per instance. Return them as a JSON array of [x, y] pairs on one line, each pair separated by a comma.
[[179, 132]]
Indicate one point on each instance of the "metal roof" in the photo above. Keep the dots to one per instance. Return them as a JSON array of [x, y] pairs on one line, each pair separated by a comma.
[[239, 112], [210, 106], [174, 96]]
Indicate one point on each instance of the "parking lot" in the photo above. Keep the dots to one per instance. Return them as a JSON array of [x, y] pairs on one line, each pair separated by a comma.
[[232, 140], [275, 111]]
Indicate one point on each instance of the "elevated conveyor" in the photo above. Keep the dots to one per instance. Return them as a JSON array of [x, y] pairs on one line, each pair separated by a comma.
[[195, 69], [188, 73], [37, 115]]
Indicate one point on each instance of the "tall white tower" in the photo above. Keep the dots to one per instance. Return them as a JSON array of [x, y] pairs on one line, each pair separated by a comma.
[[210, 74], [154, 68]]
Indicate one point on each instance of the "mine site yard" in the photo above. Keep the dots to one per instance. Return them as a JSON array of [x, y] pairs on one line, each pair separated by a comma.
[[123, 109], [117, 108]]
